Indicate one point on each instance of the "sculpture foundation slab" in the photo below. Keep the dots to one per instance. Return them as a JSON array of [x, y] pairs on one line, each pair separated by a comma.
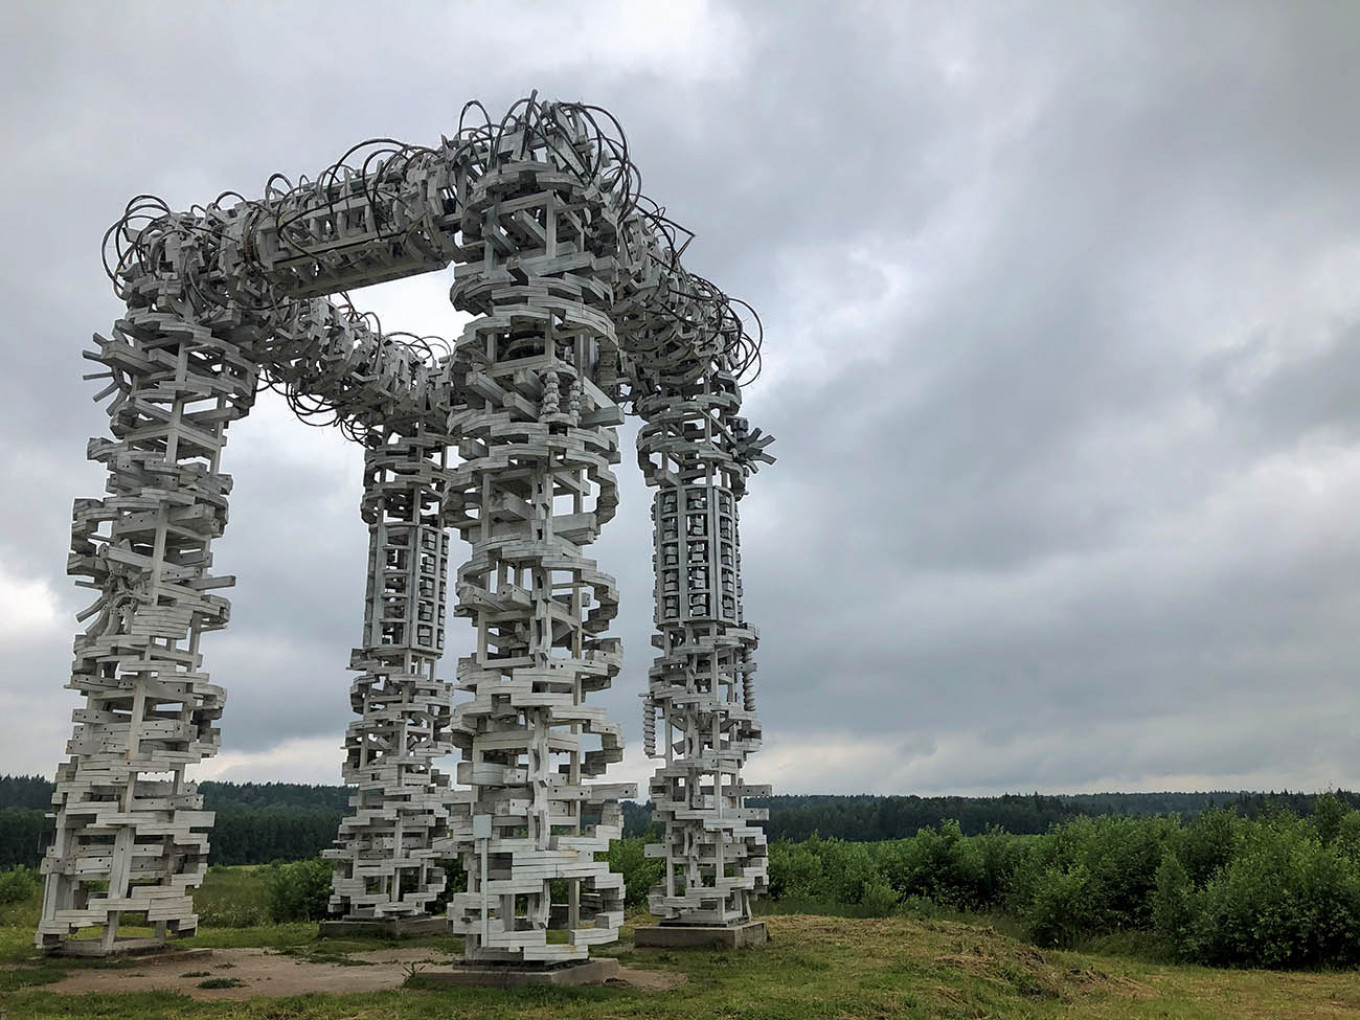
[[482, 975], [143, 949], [396, 928], [693, 936]]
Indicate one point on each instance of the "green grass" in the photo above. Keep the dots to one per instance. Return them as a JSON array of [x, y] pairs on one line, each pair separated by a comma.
[[221, 982], [28, 977], [233, 898], [16, 915], [922, 962], [814, 967]]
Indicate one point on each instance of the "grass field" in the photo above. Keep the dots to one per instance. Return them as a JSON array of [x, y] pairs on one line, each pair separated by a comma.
[[814, 967]]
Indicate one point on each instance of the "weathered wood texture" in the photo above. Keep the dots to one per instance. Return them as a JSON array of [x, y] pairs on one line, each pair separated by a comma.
[[538, 438], [583, 309], [696, 452], [131, 835], [387, 866]]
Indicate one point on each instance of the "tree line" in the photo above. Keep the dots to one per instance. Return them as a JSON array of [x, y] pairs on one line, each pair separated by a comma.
[[262, 822], [869, 818], [256, 822]]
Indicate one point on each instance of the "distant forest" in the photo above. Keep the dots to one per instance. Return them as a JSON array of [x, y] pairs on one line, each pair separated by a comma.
[[262, 822]]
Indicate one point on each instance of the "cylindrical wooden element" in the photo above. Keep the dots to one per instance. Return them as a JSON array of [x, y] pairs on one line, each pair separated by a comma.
[[386, 864], [700, 688], [131, 836], [535, 486]]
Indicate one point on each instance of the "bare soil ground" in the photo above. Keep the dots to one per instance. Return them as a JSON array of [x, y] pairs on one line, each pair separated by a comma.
[[264, 972]]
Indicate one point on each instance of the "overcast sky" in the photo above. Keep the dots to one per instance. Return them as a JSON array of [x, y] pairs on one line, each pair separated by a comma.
[[1062, 309]]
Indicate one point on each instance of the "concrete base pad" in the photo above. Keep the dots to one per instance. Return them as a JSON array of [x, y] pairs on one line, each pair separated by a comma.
[[486, 975], [395, 928], [686, 936], [90, 949]]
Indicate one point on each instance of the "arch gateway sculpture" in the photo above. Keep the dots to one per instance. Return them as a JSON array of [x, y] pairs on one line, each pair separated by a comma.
[[582, 309]]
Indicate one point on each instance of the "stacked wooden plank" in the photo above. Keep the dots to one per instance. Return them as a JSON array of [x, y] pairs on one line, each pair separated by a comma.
[[697, 453], [131, 835], [538, 438], [387, 866], [583, 308]]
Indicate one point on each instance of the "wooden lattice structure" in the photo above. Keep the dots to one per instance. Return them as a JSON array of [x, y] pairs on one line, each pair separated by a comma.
[[581, 310]]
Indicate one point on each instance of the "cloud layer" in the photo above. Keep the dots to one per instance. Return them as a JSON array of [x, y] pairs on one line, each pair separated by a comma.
[[1063, 341]]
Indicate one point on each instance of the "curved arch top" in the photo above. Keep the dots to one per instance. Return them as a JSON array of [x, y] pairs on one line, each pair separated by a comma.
[[581, 309], [387, 210]]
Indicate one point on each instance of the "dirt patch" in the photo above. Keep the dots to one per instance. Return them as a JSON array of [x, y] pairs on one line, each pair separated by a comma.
[[648, 980], [261, 972]]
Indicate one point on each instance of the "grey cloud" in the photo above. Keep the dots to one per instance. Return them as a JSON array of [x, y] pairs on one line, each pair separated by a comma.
[[1034, 278]]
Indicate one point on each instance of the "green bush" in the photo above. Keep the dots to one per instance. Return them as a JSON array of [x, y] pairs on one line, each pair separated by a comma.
[[879, 899], [1064, 907], [1173, 905], [1206, 845], [950, 869], [628, 858], [830, 871], [1329, 811], [299, 891], [1000, 854], [1347, 840], [1123, 856], [937, 866], [1276, 891], [1119, 858], [17, 884], [795, 869], [1287, 901]]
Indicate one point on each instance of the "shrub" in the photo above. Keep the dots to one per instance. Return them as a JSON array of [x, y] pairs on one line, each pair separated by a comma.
[[847, 870], [1328, 812], [17, 884], [999, 854], [1287, 901], [1173, 905], [1119, 857], [1275, 891], [879, 899], [1063, 909], [942, 866], [795, 869], [299, 891], [1123, 855], [1206, 845], [628, 857], [1347, 840]]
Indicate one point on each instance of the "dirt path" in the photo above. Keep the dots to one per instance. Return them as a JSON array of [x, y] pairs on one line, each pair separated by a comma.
[[272, 974]]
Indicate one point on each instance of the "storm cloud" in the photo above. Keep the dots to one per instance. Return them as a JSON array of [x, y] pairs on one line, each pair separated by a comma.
[[1062, 354]]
